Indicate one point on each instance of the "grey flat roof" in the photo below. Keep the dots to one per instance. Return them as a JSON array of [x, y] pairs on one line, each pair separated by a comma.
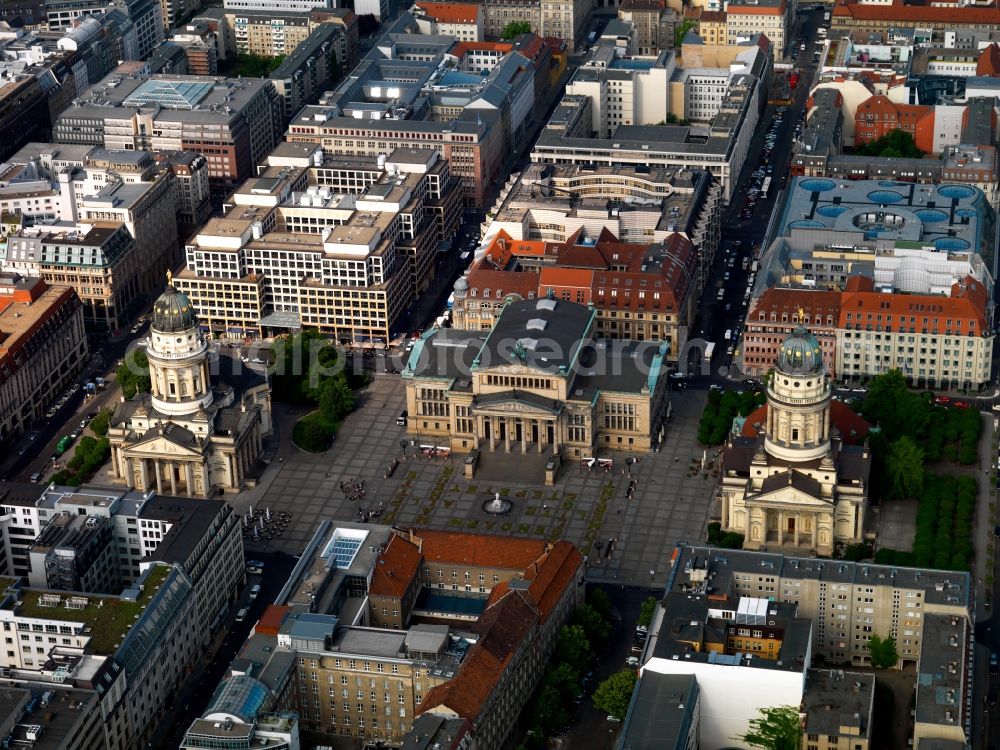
[[661, 713], [387, 644], [835, 699]]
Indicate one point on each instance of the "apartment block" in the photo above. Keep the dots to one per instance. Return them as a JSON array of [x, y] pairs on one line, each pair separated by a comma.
[[201, 49], [281, 6], [855, 16], [437, 671], [363, 235], [653, 23], [146, 15], [270, 33], [192, 194], [839, 710], [845, 603], [43, 348], [233, 123], [564, 19], [464, 21], [744, 18]]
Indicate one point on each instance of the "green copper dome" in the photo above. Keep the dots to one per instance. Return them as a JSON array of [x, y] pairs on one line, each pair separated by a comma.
[[172, 312], [800, 353]]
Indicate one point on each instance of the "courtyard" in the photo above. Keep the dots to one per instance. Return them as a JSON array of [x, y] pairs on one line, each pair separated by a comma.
[[628, 540]]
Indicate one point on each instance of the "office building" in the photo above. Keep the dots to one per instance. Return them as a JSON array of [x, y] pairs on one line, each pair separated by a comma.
[[337, 244], [855, 16], [571, 397], [719, 148], [99, 261], [235, 721], [308, 68], [233, 123], [190, 435], [146, 15], [201, 49], [472, 116], [192, 194], [642, 292], [796, 482], [772, 18], [43, 348], [925, 611], [281, 6], [457, 662]]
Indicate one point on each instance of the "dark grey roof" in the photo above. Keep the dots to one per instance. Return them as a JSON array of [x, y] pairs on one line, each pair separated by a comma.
[[516, 396], [792, 478], [663, 708], [544, 334], [173, 312], [190, 520], [834, 698]]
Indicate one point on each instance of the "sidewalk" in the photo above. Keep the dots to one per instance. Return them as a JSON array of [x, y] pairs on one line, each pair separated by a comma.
[[984, 585]]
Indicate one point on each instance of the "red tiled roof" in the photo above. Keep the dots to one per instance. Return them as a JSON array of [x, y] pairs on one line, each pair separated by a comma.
[[756, 10], [552, 574], [559, 276], [853, 429], [502, 629], [898, 11], [989, 61], [713, 16], [479, 549], [817, 304], [524, 283], [395, 568], [450, 12]]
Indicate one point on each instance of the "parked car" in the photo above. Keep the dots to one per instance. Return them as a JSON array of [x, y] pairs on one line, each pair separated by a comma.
[[241, 615]]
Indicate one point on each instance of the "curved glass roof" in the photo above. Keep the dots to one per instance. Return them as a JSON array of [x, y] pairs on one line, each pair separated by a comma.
[[241, 696]]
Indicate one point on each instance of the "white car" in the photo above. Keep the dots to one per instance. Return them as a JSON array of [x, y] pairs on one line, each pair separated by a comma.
[[632, 661]]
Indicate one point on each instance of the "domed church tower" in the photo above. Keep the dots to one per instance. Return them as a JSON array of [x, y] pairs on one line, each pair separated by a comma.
[[798, 401], [789, 482], [199, 429]]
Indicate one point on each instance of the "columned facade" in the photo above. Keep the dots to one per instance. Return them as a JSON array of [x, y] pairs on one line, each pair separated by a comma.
[[796, 484]]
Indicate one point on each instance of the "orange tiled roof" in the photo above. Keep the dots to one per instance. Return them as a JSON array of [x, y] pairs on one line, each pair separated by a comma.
[[550, 576], [451, 12], [461, 48], [989, 61], [502, 628], [756, 10], [899, 11], [560, 276], [395, 568], [853, 429], [479, 549], [967, 303]]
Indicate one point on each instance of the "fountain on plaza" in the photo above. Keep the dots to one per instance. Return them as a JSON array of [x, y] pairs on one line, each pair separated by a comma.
[[498, 506]]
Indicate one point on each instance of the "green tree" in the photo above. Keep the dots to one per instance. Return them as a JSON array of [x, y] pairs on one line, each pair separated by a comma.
[[515, 29], [101, 422], [904, 466], [883, 652], [596, 627], [777, 728], [573, 648], [600, 601], [336, 400], [548, 711], [615, 693], [681, 31], [564, 679], [895, 143], [647, 610], [132, 374]]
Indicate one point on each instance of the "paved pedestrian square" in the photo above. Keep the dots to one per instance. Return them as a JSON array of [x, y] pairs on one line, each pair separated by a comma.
[[671, 501]]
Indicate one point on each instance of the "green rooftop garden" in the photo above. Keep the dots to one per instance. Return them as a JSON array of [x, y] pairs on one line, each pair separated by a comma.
[[108, 617]]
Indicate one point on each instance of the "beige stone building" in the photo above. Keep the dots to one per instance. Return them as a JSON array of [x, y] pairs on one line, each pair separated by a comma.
[[536, 383], [188, 436], [647, 18], [796, 484]]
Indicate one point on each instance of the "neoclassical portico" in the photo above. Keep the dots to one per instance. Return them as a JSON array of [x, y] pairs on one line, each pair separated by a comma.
[[187, 436], [796, 484]]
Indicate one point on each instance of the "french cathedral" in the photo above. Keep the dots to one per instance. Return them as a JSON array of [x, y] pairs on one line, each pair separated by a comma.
[[200, 429], [797, 476]]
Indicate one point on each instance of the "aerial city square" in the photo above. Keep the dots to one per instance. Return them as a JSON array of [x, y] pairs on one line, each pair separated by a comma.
[[501, 375]]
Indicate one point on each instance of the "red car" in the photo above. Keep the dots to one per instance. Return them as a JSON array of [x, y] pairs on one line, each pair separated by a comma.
[[943, 400], [961, 404]]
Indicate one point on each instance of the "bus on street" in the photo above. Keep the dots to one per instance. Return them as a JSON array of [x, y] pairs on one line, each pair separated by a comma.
[[765, 187]]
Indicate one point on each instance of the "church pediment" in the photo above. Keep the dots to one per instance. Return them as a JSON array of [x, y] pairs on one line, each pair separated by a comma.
[[790, 496], [158, 446], [515, 401], [512, 407]]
